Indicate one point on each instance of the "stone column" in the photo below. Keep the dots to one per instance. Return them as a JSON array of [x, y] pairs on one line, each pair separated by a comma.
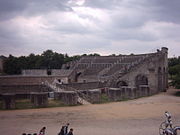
[[123, 92], [94, 95], [67, 97], [133, 91], [39, 99], [115, 94], [8, 101], [144, 90]]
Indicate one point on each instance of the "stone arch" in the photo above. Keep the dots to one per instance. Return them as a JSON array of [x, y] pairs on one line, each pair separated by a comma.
[[141, 80], [121, 83], [49, 72], [77, 76]]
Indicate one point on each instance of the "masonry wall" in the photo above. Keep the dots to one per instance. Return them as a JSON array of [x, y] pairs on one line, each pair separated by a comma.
[[85, 86], [22, 89], [150, 70], [26, 80], [34, 72]]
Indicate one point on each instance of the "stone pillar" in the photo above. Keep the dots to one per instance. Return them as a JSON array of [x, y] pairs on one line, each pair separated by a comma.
[[128, 93], [123, 92], [39, 99], [138, 93], [67, 97], [8, 101], [133, 91], [94, 95], [115, 94], [144, 90]]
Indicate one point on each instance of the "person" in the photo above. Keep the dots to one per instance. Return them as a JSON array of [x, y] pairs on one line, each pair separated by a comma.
[[42, 131], [70, 132], [66, 129], [61, 131]]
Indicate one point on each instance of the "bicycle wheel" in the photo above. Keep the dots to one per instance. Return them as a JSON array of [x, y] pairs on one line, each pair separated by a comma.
[[161, 131], [163, 125]]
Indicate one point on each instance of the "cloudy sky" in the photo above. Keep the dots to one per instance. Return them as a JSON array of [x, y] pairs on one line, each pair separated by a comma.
[[89, 26]]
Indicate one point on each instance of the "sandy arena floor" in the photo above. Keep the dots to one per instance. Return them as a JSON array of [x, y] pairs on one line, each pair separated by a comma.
[[135, 117]]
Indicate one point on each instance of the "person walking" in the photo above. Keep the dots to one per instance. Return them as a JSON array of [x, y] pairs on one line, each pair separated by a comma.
[[70, 132], [42, 131], [66, 129]]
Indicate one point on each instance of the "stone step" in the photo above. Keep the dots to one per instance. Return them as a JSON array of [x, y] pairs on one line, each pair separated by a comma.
[[83, 101]]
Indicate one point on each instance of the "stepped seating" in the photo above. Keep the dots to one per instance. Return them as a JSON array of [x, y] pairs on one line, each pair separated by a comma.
[[61, 72]]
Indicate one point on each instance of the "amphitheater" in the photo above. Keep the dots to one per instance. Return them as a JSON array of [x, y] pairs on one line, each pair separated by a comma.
[[85, 80]]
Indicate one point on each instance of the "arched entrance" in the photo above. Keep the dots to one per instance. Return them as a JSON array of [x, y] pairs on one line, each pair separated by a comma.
[[141, 80], [120, 84], [77, 76]]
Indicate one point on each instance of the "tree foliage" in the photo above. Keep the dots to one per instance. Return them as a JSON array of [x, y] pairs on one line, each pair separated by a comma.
[[174, 71], [47, 60]]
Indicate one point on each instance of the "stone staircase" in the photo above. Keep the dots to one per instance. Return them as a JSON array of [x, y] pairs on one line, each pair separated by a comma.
[[119, 72], [82, 98], [52, 87]]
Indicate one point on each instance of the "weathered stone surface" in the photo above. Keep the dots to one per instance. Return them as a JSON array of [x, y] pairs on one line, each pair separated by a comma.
[[144, 90], [134, 91], [98, 72], [8, 101], [123, 93], [94, 95], [39, 99], [115, 94], [67, 97]]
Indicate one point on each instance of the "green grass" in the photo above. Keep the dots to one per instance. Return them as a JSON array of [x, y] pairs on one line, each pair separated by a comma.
[[104, 99], [177, 93], [26, 104], [55, 103]]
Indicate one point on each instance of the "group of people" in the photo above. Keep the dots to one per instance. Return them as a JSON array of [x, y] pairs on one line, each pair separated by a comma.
[[63, 131]]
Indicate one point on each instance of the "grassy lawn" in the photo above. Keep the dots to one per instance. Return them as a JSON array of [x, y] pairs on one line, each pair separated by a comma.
[[26, 104], [177, 93], [104, 99]]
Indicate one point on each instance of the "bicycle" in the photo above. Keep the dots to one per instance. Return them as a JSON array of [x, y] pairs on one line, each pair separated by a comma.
[[166, 127]]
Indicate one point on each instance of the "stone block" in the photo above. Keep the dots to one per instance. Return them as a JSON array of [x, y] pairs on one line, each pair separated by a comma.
[[94, 95], [8, 101], [67, 97], [39, 99], [134, 92], [115, 94], [123, 89], [144, 90]]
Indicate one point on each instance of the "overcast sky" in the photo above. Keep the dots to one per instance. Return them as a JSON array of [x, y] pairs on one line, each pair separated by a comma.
[[89, 26]]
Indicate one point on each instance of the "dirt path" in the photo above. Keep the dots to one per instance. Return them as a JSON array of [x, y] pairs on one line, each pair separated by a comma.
[[135, 117]]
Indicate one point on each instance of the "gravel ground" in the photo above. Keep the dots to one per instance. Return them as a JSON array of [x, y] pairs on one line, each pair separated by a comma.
[[134, 117]]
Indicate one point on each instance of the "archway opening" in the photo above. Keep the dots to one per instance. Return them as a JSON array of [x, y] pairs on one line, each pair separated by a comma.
[[141, 80], [121, 84]]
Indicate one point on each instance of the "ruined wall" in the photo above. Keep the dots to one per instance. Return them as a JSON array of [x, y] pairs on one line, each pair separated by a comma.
[[85, 85], [26, 80], [150, 69], [23, 89], [124, 93], [34, 72]]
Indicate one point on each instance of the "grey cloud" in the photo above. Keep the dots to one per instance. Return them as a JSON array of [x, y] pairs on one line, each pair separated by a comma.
[[101, 3], [160, 10], [12, 8]]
